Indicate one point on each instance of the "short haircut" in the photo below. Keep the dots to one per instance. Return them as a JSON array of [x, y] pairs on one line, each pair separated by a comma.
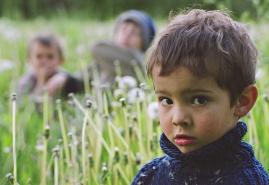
[[209, 44], [47, 40]]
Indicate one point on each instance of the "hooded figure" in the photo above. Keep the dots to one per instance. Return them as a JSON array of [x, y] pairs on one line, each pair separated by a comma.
[[133, 34]]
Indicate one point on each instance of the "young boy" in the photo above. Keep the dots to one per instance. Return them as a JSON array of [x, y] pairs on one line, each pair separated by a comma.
[[133, 33], [45, 56], [203, 70]]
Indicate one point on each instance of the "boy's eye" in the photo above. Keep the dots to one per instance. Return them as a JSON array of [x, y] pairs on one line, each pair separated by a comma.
[[165, 101], [199, 100], [38, 56], [50, 56]]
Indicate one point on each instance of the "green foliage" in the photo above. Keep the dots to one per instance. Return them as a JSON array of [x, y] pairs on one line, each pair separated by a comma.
[[104, 9]]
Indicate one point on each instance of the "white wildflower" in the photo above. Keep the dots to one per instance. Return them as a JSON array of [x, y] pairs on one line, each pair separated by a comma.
[[8, 32], [153, 110], [126, 82], [12, 35], [7, 150], [136, 95], [259, 74], [39, 147], [118, 93], [5, 65]]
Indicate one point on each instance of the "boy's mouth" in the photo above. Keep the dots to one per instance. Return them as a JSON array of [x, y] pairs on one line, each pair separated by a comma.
[[183, 140]]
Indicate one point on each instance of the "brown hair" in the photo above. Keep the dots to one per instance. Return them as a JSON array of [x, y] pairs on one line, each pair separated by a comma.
[[208, 43], [48, 40]]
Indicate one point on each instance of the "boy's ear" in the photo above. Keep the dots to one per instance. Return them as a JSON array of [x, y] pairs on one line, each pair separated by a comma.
[[246, 100]]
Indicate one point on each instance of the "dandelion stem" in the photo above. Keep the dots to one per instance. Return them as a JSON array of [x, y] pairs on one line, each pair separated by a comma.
[[45, 141], [65, 139], [14, 138], [56, 169], [83, 150], [77, 103]]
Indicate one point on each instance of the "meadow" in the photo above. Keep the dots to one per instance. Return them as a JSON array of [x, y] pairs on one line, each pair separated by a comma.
[[100, 137]]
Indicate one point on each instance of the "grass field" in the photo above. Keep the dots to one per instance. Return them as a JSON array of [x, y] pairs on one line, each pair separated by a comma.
[[93, 138]]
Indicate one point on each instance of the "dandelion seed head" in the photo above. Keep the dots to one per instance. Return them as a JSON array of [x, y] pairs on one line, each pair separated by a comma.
[[153, 110], [71, 95], [10, 177], [89, 103], [138, 159], [123, 102], [259, 74], [104, 167], [39, 147], [118, 93], [70, 134], [142, 86], [47, 131], [136, 95], [13, 97], [6, 65], [56, 150], [7, 150], [9, 32], [126, 82]]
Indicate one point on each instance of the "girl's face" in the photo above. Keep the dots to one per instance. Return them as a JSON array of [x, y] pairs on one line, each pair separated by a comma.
[[45, 60], [128, 35], [193, 111]]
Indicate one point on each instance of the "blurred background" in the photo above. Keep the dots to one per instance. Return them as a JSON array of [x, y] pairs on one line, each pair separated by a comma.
[[106, 9]]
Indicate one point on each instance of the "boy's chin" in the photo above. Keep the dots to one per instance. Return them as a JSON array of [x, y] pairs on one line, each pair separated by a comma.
[[187, 149]]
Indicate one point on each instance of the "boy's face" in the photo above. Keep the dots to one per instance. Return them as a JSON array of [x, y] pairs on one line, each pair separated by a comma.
[[44, 59], [128, 35], [193, 111]]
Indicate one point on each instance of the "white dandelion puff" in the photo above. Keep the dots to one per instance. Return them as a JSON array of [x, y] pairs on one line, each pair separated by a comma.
[[6, 65], [127, 82], [153, 110], [259, 74], [136, 95]]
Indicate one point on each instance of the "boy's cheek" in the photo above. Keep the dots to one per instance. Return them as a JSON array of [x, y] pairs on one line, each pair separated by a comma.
[[164, 121]]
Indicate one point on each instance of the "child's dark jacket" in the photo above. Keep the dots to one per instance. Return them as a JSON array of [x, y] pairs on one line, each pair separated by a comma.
[[28, 82], [227, 161]]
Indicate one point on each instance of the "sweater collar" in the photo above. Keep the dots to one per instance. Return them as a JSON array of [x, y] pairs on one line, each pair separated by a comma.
[[223, 148]]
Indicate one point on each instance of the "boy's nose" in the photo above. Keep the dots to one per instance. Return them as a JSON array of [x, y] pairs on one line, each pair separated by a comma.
[[43, 62], [181, 117]]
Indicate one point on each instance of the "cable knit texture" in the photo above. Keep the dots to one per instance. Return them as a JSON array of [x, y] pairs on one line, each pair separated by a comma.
[[227, 161]]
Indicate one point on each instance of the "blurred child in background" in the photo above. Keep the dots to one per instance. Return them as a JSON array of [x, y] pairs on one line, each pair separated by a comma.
[[45, 56], [133, 33]]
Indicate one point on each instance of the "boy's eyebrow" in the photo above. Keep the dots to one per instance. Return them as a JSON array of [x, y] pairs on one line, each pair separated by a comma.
[[196, 91], [161, 91], [186, 91]]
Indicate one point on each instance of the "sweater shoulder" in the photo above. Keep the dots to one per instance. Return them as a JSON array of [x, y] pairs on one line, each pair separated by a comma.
[[251, 174], [147, 172]]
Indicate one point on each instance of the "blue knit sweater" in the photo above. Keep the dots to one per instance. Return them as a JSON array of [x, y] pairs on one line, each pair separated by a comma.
[[227, 161]]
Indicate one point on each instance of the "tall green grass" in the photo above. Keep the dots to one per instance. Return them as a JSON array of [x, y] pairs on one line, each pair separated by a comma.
[[98, 137]]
